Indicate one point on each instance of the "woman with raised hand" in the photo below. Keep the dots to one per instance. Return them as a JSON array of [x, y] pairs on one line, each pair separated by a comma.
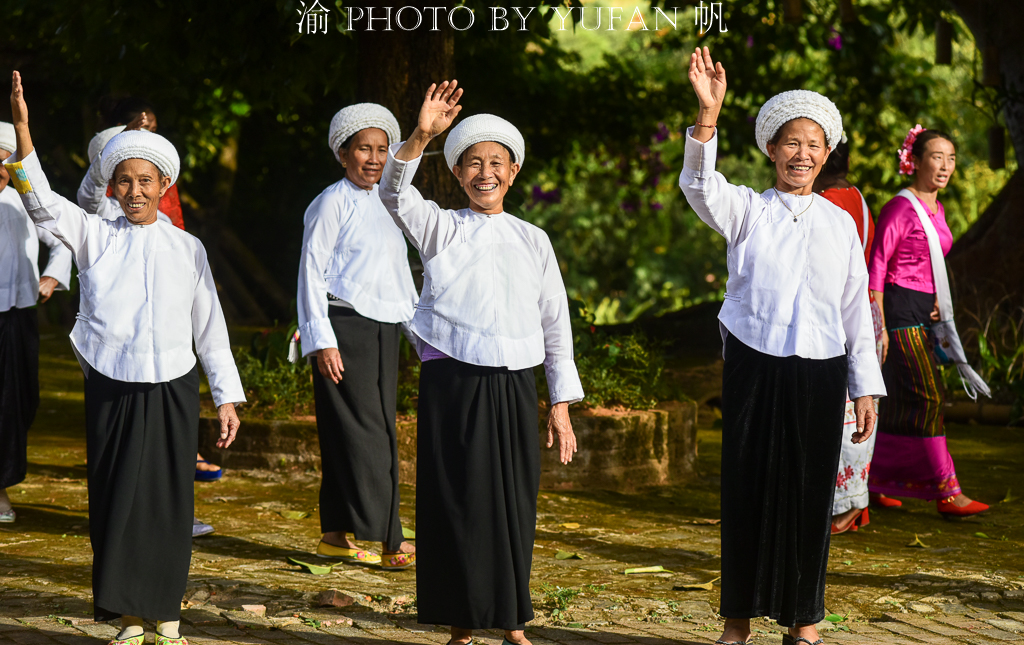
[[146, 295], [796, 322], [493, 307], [355, 291], [908, 276]]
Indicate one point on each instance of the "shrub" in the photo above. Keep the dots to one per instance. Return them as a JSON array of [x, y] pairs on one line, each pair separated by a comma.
[[274, 388]]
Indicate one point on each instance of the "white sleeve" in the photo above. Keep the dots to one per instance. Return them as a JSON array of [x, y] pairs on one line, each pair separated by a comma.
[[92, 192], [58, 266], [865, 373], [722, 206], [322, 224], [210, 332], [428, 226], [559, 361]]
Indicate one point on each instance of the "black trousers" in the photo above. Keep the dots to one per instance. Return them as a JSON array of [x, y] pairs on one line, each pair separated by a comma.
[[477, 479], [355, 420], [19, 390], [141, 440], [782, 429]]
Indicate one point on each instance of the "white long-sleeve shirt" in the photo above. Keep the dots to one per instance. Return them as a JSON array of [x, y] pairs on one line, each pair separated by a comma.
[[492, 290], [92, 195], [795, 288], [352, 250], [19, 255], [147, 293]]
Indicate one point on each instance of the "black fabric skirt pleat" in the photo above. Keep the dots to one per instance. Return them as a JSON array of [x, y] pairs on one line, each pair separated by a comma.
[[782, 428], [19, 390], [141, 440], [355, 420], [477, 479]]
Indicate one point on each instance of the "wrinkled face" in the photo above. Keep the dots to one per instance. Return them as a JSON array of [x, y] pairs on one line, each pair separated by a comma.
[[138, 188], [5, 177], [486, 173], [798, 155], [365, 156], [936, 165]]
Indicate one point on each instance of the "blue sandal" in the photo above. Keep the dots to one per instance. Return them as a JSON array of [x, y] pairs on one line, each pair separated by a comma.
[[207, 475]]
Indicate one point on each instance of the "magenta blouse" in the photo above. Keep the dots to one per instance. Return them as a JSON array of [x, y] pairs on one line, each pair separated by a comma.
[[899, 254]]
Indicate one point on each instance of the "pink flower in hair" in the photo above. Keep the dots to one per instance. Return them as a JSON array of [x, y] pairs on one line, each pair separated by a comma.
[[907, 166]]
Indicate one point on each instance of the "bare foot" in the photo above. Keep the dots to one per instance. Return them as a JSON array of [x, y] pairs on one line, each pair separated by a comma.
[[517, 637], [5, 501], [804, 631], [844, 520], [737, 630], [405, 548], [339, 538], [461, 636], [962, 500], [205, 467]]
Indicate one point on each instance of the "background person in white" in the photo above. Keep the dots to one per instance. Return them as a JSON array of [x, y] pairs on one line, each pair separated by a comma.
[[493, 307], [20, 288], [355, 290], [798, 325], [147, 294]]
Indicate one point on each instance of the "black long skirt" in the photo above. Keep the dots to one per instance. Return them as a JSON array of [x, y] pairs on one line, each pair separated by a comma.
[[141, 440], [355, 420], [19, 390], [782, 430], [477, 479]]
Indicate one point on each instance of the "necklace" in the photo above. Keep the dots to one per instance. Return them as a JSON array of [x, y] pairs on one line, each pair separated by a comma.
[[795, 214]]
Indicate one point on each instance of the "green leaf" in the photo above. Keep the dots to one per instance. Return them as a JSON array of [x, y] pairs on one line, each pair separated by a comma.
[[293, 515], [1008, 498], [981, 535], [408, 533], [918, 543], [655, 569], [705, 586], [565, 555], [315, 569], [847, 562], [835, 618]]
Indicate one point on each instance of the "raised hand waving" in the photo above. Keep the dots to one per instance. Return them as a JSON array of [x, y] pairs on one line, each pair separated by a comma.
[[440, 107], [708, 79]]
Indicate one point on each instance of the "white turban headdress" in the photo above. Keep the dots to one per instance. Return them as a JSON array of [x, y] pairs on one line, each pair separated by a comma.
[[8, 141], [484, 127], [796, 104], [358, 117], [140, 144], [100, 140]]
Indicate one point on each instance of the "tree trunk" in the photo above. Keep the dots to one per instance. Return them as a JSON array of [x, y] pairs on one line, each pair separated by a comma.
[[987, 262]]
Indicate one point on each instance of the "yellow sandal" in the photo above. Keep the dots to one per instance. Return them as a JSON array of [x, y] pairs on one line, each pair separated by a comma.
[[325, 550]]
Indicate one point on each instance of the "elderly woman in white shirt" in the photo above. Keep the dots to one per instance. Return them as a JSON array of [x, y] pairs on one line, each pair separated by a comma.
[[146, 294], [20, 288], [355, 290], [798, 334], [493, 307]]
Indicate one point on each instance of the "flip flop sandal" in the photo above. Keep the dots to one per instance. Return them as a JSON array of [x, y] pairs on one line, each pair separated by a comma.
[[7, 517], [131, 640], [165, 640], [793, 640], [207, 475], [746, 642], [325, 550], [397, 561]]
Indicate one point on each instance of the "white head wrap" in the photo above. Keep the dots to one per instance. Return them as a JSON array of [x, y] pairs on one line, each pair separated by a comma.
[[7, 140], [100, 140], [140, 144], [796, 104], [483, 127], [358, 117]]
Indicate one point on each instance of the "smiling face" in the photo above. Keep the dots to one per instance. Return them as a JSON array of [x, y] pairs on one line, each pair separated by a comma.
[[935, 166], [799, 149], [486, 172], [364, 157], [138, 188]]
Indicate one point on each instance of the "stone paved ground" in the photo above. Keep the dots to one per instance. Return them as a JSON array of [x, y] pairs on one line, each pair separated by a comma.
[[960, 588]]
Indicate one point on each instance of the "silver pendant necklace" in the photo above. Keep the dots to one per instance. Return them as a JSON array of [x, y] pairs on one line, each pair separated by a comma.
[[795, 214]]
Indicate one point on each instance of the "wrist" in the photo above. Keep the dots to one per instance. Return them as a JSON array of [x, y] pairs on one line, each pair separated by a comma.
[[420, 137]]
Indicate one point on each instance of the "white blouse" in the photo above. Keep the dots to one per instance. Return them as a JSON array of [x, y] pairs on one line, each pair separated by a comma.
[[352, 250], [19, 255], [492, 290], [147, 293], [795, 288], [92, 195]]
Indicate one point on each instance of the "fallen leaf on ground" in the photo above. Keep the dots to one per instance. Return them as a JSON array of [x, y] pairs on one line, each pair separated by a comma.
[[979, 534], [569, 525], [408, 533], [706, 521], [706, 586], [565, 555], [835, 618], [315, 569], [918, 543], [1008, 498], [655, 569], [293, 515]]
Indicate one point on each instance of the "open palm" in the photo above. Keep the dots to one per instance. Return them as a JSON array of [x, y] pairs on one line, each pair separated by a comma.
[[440, 107], [707, 78], [19, 109]]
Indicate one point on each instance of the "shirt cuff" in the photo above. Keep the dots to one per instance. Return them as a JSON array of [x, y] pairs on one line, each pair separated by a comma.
[[398, 174], [28, 179], [699, 157], [221, 371], [317, 334], [564, 384], [865, 376]]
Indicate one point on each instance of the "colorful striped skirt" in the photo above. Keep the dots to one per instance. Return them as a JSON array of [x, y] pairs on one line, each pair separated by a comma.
[[911, 458]]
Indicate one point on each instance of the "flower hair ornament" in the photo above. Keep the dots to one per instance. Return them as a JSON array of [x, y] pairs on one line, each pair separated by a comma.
[[907, 166]]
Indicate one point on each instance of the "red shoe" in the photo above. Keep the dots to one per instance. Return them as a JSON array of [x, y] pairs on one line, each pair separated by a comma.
[[859, 520], [885, 502], [948, 509], [862, 520]]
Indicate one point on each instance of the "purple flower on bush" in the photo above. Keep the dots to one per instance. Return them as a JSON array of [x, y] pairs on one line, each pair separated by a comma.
[[662, 133], [629, 207], [750, 42], [549, 197], [836, 40], [655, 206]]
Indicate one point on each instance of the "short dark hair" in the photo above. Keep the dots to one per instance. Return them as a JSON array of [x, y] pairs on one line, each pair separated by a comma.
[[838, 163], [130, 107], [511, 155], [921, 143]]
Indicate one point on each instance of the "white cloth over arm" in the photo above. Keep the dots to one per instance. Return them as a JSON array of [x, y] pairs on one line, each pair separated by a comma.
[[147, 293], [492, 290], [19, 255], [795, 288]]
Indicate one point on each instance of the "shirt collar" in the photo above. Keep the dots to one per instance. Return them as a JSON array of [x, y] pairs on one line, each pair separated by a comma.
[[355, 191]]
